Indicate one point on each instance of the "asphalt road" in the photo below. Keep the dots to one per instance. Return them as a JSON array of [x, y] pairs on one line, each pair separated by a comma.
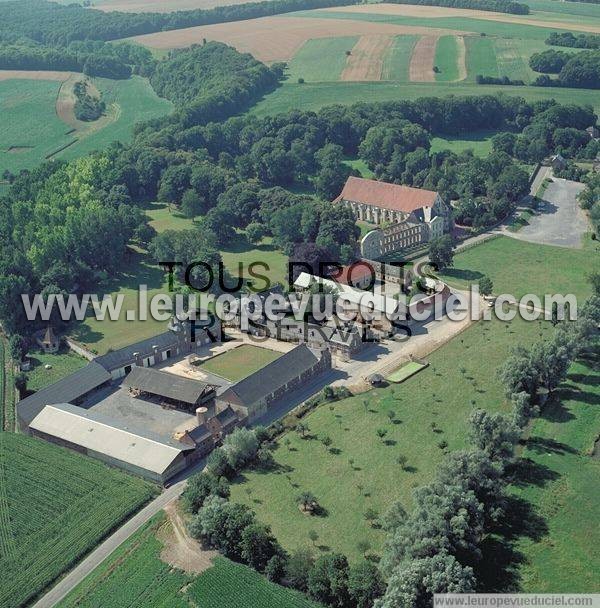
[[559, 220]]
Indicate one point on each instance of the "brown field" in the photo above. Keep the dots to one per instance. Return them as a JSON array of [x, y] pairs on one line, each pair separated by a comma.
[[421, 61], [278, 38], [162, 6], [34, 75], [366, 60], [439, 11]]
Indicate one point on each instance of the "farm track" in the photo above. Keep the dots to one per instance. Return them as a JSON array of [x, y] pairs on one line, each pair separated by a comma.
[[422, 60], [461, 60], [366, 61]]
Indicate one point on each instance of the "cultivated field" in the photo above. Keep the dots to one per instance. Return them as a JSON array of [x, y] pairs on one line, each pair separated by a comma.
[[278, 38], [450, 55], [360, 471], [240, 362], [161, 6], [135, 576], [367, 58], [308, 62], [55, 506], [31, 129]]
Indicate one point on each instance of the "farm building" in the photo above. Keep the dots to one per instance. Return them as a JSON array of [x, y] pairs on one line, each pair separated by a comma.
[[135, 450], [253, 395], [172, 391], [408, 217]]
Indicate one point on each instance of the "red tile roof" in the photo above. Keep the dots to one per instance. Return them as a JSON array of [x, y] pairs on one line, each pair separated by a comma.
[[386, 196], [350, 275]]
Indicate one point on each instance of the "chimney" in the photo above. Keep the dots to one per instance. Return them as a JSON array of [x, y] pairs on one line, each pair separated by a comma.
[[201, 415]]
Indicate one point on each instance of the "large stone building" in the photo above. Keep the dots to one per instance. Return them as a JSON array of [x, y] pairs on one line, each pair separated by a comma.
[[406, 217]]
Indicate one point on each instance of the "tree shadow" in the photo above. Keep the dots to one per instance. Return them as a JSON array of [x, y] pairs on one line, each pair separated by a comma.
[[526, 472], [498, 570], [542, 445]]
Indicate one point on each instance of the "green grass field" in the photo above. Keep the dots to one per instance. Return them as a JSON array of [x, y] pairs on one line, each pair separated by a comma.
[[525, 268], [481, 57], [446, 59], [566, 558], [396, 62], [136, 577], [312, 96], [406, 371], [29, 124], [240, 362], [55, 506], [309, 62], [440, 394], [480, 142], [62, 364]]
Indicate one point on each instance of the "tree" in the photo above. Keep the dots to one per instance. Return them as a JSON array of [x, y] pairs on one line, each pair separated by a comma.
[[394, 517], [381, 433], [218, 465], [493, 434], [401, 459], [302, 429], [240, 447], [200, 487], [486, 286], [21, 382], [313, 536], [299, 565], [326, 441], [258, 546], [441, 252], [414, 582], [371, 515], [191, 204], [18, 347], [275, 569], [365, 584], [328, 581], [307, 502], [333, 172], [255, 232]]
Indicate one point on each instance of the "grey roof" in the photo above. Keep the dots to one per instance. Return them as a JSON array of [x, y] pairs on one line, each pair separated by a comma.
[[64, 391], [273, 375], [108, 436], [200, 433], [226, 416], [166, 385], [124, 356]]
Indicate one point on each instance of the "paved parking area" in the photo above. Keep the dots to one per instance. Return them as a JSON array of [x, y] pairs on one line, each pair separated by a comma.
[[559, 220]]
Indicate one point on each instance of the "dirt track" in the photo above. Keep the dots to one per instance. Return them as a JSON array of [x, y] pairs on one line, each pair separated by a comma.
[[278, 38], [421, 62], [34, 75], [462, 58], [366, 60]]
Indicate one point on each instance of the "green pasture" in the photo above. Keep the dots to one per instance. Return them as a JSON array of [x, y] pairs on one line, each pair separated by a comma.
[[478, 141], [518, 268], [406, 371], [321, 59], [312, 96], [481, 57], [446, 59], [61, 364], [422, 418], [30, 130], [55, 506]]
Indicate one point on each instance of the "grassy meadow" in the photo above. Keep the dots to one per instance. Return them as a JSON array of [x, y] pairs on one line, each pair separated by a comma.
[[31, 131], [525, 268], [240, 362], [135, 576], [479, 141], [55, 506], [61, 364], [309, 63], [446, 59], [359, 471]]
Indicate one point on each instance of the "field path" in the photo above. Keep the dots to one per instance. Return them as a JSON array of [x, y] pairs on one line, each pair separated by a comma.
[[366, 60], [421, 62], [462, 58]]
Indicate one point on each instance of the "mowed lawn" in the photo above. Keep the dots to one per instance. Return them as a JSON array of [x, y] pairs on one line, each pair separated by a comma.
[[61, 364], [321, 59], [29, 123], [135, 576], [566, 558], [360, 471], [240, 362], [55, 506], [478, 141], [518, 268]]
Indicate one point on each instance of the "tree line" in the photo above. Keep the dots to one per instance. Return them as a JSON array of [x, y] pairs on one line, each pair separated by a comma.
[[580, 70], [498, 6], [58, 25], [579, 41]]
